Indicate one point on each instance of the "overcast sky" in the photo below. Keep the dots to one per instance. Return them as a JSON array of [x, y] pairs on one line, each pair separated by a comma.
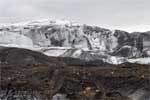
[[130, 15]]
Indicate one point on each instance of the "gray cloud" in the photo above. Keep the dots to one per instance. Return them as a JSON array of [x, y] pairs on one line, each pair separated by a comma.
[[123, 14]]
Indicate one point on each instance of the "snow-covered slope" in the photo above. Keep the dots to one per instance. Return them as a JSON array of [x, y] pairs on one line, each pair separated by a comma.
[[67, 39]]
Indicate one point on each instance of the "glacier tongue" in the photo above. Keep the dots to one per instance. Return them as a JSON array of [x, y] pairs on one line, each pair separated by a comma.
[[67, 39]]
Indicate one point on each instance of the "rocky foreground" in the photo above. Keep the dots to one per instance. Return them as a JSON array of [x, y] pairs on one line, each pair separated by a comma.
[[30, 75]]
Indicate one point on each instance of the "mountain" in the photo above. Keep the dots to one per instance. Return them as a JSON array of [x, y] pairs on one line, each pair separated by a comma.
[[67, 39]]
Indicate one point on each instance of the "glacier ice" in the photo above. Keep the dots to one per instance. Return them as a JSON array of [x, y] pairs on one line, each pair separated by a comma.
[[67, 39]]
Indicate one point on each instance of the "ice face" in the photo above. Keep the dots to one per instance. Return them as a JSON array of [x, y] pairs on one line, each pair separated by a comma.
[[46, 33]]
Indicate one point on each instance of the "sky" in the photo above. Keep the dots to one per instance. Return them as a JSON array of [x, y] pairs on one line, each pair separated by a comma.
[[128, 15]]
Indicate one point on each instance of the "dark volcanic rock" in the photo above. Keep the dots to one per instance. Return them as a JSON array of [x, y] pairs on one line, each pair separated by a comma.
[[76, 82], [44, 78], [20, 56]]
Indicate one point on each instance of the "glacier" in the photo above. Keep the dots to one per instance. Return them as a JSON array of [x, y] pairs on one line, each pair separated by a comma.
[[68, 39]]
